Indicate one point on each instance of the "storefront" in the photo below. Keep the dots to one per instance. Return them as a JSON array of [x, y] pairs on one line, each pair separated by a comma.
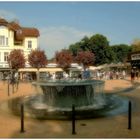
[[135, 59], [30, 73], [4, 72]]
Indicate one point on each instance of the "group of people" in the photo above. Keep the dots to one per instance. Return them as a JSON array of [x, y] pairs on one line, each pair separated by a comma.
[[134, 74], [111, 74], [86, 74], [54, 76], [13, 78]]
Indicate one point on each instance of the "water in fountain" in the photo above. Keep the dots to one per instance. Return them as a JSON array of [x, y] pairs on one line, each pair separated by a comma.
[[58, 96], [82, 93]]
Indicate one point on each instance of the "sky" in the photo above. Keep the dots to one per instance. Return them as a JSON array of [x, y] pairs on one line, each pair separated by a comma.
[[63, 23]]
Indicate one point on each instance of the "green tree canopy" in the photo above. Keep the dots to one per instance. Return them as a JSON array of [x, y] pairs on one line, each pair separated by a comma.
[[136, 45], [75, 48], [121, 52], [82, 45], [97, 44]]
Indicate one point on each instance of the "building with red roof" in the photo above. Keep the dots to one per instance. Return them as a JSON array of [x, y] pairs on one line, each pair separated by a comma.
[[15, 36]]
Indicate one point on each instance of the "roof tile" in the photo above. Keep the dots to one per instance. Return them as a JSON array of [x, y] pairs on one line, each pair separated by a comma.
[[21, 32]]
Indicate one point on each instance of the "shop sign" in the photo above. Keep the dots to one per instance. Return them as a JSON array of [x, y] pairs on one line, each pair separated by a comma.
[[135, 56]]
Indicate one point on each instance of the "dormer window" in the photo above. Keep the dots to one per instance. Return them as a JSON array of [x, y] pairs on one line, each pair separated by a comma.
[[19, 31], [2, 27], [29, 44]]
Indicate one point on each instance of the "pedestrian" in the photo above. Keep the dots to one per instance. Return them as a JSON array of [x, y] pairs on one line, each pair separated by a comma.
[[79, 76], [53, 76], [98, 75], [132, 75], [137, 74], [117, 75], [123, 74]]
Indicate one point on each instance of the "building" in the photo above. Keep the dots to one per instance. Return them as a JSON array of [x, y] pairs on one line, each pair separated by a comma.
[[135, 59], [14, 36]]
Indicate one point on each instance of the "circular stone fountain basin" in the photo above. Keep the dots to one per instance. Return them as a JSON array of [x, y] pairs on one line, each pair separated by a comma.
[[63, 94], [40, 110], [58, 96]]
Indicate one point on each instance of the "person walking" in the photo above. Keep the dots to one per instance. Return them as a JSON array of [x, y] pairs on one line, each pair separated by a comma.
[[117, 75], [132, 75], [124, 74], [137, 74]]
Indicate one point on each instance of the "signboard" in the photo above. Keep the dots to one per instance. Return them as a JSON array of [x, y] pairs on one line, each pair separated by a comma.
[[135, 56]]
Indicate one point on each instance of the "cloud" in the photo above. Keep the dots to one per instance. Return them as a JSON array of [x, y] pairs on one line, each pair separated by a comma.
[[54, 39], [8, 15]]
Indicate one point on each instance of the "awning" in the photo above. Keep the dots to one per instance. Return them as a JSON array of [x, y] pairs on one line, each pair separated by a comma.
[[5, 69], [50, 69], [92, 68], [41, 69], [27, 70]]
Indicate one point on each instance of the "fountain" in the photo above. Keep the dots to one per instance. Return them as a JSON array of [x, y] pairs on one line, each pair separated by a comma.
[[58, 96], [62, 94]]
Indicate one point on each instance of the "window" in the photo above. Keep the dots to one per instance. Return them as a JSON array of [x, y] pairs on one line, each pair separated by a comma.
[[2, 27], [6, 56], [7, 41], [2, 40], [29, 44], [19, 31]]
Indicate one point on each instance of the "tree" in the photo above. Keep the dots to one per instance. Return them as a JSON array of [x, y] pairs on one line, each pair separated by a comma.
[[99, 45], [37, 59], [16, 59], [121, 52], [85, 57], [64, 58], [136, 45], [83, 45], [75, 48]]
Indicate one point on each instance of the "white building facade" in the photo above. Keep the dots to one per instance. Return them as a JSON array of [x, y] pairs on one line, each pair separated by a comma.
[[14, 36]]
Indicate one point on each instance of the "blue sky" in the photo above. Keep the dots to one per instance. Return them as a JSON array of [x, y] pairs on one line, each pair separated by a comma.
[[64, 23]]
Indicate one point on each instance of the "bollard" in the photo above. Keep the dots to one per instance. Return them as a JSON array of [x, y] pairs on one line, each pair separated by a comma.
[[73, 120], [129, 115], [22, 118]]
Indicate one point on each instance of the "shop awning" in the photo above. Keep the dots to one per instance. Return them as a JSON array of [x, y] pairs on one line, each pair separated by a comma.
[[41, 69]]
